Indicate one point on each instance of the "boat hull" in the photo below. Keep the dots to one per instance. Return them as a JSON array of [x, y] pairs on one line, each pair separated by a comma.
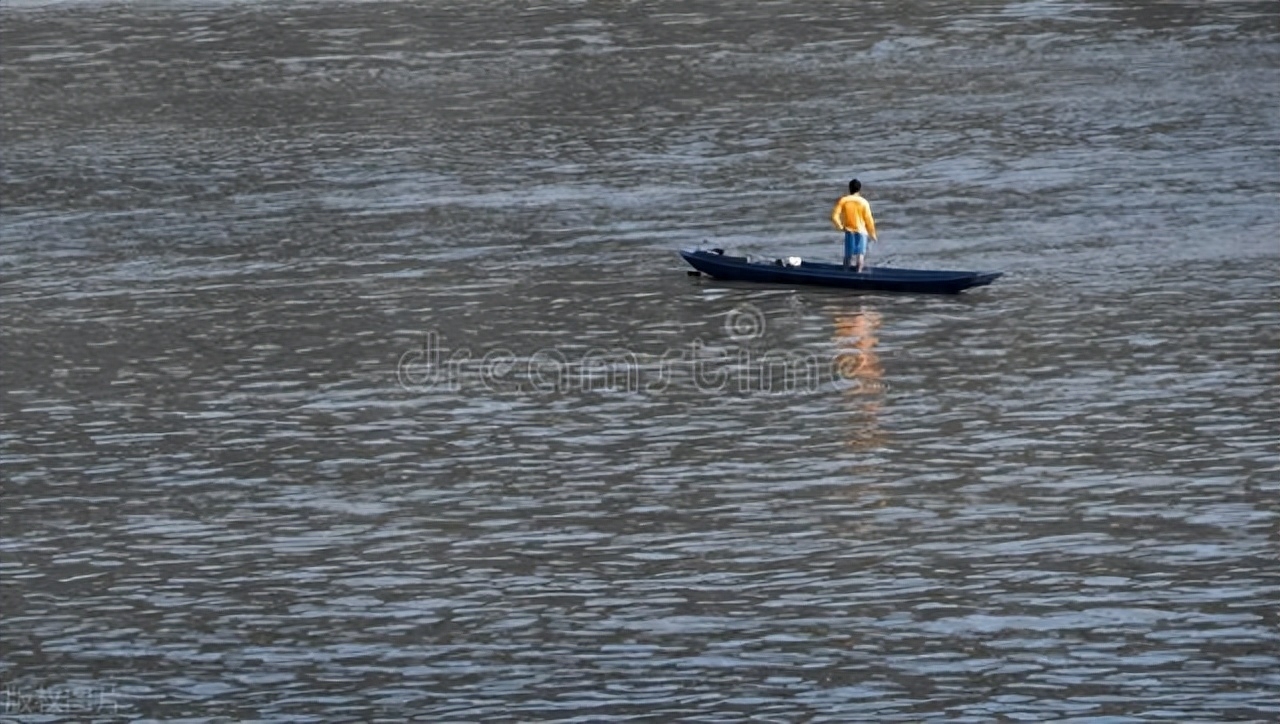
[[875, 279]]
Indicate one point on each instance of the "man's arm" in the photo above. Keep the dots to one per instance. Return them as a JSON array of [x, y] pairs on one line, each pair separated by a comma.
[[871, 224], [836, 216]]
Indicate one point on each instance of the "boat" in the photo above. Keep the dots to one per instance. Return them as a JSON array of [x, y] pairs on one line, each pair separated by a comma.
[[715, 263]]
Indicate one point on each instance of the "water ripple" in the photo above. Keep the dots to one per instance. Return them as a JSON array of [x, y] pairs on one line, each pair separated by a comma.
[[238, 484]]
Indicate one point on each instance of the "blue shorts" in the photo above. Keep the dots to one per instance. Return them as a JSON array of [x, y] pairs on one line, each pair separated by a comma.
[[854, 243]]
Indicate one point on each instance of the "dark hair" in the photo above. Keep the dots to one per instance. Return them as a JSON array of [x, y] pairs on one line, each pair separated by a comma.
[[855, 186]]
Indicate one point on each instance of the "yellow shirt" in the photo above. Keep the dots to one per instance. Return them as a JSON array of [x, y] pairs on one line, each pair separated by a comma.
[[853, 213]]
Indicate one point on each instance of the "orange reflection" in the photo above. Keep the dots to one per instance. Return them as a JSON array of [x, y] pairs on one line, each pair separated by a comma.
[[858, 363]]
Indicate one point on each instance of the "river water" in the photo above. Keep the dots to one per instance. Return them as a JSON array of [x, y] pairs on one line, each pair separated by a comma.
[[349, 373]]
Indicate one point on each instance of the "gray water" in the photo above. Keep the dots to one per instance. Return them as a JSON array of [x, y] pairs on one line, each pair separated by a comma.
[[349, 373]]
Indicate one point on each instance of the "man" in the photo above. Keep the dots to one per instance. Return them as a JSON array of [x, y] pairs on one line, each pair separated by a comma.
[[852, 215]]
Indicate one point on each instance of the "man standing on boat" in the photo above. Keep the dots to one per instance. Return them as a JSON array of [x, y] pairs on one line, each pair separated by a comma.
[[852, 215]]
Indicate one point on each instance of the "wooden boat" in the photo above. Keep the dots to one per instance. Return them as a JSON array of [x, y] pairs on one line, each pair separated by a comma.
[[716, 264]]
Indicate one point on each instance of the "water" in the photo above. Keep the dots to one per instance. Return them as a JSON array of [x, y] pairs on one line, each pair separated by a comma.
[[235, 236]]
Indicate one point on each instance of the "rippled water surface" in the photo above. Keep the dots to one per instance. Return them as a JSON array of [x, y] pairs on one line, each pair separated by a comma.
[[349, 373]]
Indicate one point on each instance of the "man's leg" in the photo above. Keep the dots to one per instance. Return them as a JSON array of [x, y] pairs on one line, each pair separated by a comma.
[[848, 249]]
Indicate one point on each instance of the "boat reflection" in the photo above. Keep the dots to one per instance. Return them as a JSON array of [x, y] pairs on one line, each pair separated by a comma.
[[859, 369]]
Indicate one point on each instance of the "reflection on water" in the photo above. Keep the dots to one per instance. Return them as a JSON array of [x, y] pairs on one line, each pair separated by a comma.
[[858, 363], [222, 225]]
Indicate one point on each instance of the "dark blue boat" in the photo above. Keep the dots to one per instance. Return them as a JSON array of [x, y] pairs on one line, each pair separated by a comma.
[[877, 279]]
